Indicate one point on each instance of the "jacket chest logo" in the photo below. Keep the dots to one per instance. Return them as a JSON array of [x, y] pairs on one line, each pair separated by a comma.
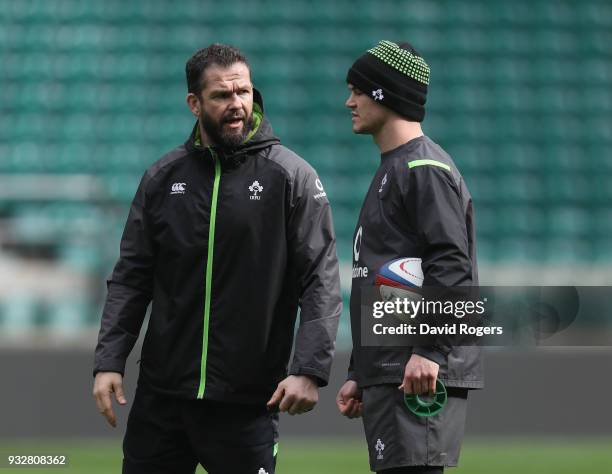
[[382, 183], [178, 188], [321, 193], [255, 190], [358, 272]]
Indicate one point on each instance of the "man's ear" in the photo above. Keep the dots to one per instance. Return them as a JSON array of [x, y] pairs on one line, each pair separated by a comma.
[[194, 104]]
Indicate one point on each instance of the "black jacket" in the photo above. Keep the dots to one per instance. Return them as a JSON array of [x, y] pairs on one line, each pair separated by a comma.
[[417, 206], [227, 246]]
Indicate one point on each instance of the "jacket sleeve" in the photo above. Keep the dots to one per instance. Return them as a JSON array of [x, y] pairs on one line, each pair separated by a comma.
[[312, 249], [351, 375], [433, 203], [129, 289]]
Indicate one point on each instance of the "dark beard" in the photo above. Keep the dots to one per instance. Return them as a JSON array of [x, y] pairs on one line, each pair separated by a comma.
[[226, 140]]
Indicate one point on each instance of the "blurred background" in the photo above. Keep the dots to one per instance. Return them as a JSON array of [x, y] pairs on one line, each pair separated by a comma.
[[91, 93]]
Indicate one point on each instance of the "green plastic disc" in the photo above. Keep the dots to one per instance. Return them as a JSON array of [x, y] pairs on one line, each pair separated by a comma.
[[425, 408]]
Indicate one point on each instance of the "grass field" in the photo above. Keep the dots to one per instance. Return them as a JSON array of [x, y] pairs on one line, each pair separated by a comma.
[[334, 456]]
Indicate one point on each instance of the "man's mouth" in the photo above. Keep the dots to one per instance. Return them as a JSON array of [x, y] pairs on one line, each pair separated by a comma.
[[234, 122]]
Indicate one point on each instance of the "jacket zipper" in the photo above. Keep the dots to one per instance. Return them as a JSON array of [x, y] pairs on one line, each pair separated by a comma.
[[209, 269]]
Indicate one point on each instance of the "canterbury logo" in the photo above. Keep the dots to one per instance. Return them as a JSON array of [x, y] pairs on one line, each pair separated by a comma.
[[178, 188]]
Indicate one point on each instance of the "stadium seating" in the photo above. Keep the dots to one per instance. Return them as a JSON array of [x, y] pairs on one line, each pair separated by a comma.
[[520, 96]]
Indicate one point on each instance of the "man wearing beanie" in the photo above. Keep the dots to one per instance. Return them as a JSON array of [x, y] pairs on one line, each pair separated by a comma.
[[417, 206]]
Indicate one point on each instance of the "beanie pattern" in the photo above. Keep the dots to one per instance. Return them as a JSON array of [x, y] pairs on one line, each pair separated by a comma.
[[403, 60]]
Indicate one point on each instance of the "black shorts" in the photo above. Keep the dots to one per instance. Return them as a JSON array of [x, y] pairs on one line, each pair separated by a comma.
[[168, 435], [398, 438]]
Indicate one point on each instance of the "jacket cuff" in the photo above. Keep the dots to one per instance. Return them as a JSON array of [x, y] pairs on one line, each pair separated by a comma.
[[433, 353], [110, 366], [318, 375]]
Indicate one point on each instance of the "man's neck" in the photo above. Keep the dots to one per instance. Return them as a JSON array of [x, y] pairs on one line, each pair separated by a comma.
[[396, 132]]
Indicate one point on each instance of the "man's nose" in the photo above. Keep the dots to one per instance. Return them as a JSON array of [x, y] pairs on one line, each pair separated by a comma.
[[235, 102]]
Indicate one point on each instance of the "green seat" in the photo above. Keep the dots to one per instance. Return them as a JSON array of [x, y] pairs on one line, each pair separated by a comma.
[[68, 317], [18, 314], [518, 250], [560, 250]]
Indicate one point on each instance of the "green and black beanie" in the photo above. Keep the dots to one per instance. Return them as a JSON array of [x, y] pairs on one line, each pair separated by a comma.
[[395, 75]]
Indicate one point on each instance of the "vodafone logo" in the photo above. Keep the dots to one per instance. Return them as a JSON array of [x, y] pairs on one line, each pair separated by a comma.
[[321, 193], [358, 272], [357, 244]]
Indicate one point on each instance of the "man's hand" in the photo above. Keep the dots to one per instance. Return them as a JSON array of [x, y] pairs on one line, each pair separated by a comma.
[[295, 395], [348, 400], [420, 376], [104, 385]]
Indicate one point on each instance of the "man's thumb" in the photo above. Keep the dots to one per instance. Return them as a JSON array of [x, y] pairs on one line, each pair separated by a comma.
[[276, 396]]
